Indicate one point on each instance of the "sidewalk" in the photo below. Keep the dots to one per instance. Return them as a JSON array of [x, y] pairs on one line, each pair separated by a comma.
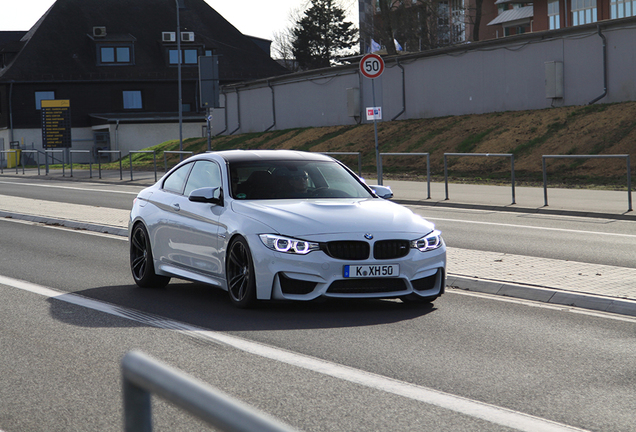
[[560, 282]]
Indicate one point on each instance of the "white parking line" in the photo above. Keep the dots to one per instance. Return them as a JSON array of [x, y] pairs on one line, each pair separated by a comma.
[[491, 413]]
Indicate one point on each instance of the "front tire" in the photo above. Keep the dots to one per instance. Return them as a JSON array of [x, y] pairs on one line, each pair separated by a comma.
[[239, 270], [141, 262]]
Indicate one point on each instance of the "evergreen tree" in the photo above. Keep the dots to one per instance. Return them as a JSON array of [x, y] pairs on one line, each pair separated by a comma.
[[322, 35]]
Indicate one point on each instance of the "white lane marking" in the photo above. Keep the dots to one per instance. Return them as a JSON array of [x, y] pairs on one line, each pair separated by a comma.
[[491, 413], [532, 227], [71, 188], [538, 304]]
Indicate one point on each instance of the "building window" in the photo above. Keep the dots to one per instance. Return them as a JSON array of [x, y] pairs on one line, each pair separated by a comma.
[[117, 55], [189, 56], [553, 15], [583, 12], [622, 8], [132, 99], [43, 95]]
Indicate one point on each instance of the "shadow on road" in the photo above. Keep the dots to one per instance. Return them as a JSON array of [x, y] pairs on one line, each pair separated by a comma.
[[210, 308]]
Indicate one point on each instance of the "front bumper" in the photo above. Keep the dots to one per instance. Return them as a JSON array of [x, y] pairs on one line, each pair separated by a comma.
[[284, 276]]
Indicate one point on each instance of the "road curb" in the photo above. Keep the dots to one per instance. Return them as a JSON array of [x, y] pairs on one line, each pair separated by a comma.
[[105, 229], [507, 289], [544, 294], [629, 216]]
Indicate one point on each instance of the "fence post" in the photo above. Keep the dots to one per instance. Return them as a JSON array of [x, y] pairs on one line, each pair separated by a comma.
[[446, 177], [629, 184], [137, 408]]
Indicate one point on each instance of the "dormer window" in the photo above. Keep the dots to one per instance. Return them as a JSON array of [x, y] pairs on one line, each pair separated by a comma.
[[115, 55], [114, 49]]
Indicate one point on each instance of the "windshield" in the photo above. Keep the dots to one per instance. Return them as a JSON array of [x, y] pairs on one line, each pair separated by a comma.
[[294, 179]]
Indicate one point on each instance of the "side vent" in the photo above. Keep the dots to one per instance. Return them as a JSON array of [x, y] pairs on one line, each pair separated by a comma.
[[168, 36], [187, 37], [99, 31]]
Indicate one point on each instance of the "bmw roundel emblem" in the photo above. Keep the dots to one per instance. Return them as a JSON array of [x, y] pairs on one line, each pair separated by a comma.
[[368, 236]]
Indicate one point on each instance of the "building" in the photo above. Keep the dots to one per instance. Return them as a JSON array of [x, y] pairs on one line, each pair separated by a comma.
[[517, 17], [419, 25], [116, 61]]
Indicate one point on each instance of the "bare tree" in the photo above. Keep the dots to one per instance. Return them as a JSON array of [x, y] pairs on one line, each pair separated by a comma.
[[282, 50], [420, 25]]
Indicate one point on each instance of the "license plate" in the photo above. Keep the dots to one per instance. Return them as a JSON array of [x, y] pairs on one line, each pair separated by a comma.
[[370, 270]]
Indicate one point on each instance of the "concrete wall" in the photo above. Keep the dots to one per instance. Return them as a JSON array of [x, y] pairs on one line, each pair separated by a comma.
[[506, 74]]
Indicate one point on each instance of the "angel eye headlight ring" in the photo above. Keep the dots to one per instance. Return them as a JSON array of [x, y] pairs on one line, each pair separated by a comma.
[[288, 245], [429, 242]]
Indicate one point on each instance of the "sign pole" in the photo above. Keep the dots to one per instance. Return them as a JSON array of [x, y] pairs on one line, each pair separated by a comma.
[[372, 67], [375, 130]]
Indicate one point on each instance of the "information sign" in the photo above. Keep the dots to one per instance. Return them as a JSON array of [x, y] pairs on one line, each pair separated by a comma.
[[56, 124], [374, 113]]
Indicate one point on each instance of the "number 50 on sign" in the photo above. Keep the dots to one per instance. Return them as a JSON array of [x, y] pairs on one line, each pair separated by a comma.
[[372, 66]]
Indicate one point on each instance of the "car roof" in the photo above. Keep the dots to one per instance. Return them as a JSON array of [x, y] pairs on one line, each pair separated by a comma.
[[264, 155]]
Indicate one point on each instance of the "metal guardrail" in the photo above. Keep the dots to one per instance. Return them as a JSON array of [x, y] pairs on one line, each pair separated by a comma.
[[446, 155], [2, 152], [143, 375], [90, 163], [99, 152], [46, 159], [545, 175], [428, 168], [351, 154], [37, 159], [154, 160], [512, 163], [181, 153]]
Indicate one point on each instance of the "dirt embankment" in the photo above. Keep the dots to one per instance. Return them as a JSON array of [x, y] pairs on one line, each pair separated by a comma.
[[600, 129]]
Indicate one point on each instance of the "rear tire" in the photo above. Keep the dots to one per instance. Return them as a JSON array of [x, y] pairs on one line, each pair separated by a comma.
[[239, 270], [141, 262]]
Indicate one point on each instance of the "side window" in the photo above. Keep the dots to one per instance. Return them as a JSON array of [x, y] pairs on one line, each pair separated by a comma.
[[204, 174], [176, 181]]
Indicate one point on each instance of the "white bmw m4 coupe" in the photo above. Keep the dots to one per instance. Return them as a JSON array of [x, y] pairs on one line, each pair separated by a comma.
[[282, 225]]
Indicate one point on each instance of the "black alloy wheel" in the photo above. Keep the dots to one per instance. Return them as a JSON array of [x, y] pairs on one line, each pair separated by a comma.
[[141, 263], [241, 281]]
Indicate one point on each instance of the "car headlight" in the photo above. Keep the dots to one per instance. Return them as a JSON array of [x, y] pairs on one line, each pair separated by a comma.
[[288, 245], [429, 242]]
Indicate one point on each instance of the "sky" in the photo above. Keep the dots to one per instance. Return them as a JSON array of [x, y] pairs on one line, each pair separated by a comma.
[[251, 17]]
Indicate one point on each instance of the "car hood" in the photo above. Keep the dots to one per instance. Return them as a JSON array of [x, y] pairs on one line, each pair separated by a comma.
[[333, 216]]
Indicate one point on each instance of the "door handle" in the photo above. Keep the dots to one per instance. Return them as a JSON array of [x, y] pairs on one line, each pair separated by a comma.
[[176, 207]]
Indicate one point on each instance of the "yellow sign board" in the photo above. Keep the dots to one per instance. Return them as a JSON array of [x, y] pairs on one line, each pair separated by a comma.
[[62, 103], [56, 123]]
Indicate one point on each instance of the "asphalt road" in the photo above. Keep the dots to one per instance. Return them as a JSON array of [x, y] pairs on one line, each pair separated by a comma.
[[59, 363], [589, 240]]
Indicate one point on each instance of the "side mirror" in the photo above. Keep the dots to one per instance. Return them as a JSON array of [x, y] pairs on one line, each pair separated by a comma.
[[384, 192], [210, 195]]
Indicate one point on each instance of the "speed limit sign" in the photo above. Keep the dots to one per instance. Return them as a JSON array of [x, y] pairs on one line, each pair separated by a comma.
[[372, 66]]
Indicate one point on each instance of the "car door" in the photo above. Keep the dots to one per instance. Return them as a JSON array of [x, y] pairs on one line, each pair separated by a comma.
[[190, 234]]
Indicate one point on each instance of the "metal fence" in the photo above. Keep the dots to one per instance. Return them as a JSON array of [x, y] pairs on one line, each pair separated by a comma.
[[90, 164], [359, 157], [545, 175], [352, 154], [428, 168], [118, 152], [180, 153], [143, 376], [512, 167]]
